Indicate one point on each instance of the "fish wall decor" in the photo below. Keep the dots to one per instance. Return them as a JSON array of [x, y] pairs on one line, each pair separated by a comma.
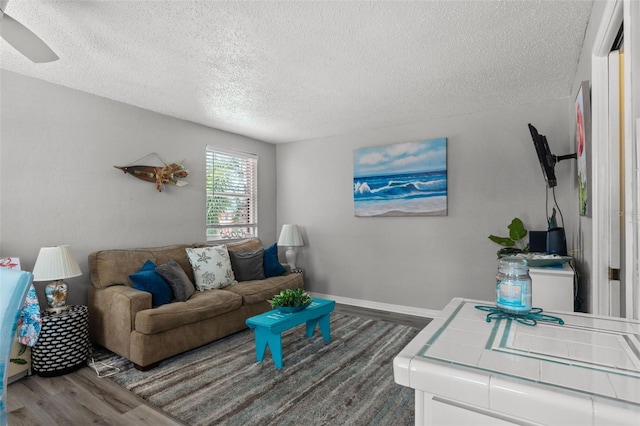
[[168, 173]]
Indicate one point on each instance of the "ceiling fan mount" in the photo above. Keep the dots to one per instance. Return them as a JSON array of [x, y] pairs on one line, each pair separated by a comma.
[[23, 39]]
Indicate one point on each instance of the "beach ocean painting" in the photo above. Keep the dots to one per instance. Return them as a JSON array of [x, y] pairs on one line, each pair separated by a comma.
[[404, 179]]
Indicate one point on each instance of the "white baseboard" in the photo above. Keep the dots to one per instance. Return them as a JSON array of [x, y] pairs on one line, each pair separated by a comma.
[[400, 309]]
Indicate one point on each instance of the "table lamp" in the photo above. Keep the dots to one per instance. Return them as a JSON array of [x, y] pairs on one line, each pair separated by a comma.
[[290, 237], [56, 264]]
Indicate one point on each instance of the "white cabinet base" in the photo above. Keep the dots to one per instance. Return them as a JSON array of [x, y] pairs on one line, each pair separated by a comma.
[[431, 410], [552, 288]]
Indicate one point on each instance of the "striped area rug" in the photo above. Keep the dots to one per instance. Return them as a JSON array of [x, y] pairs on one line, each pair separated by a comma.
[[348, 381]]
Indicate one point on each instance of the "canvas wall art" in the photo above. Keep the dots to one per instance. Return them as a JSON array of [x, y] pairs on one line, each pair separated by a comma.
[[583, 147], [404, 179], [10, 263]]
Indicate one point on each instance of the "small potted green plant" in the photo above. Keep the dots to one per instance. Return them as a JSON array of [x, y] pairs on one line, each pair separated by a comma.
[[291, 300], [513, 244]]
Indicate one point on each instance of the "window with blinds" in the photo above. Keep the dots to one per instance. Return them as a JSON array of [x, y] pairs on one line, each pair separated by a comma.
[[232, 194]]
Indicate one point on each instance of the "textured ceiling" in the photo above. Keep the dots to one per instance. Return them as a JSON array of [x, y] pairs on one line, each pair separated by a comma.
[[283, 71]]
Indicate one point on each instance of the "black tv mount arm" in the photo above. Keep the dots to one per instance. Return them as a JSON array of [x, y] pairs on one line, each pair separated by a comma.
[[558, 158]]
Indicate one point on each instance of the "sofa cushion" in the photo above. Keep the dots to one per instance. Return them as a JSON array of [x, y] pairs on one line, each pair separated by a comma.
[[177, 279], [211, 267], [147, 279], [272, 265], [178, 254], [251, 244], [247, 265], [202, 305], [113, 267], [260, 290]]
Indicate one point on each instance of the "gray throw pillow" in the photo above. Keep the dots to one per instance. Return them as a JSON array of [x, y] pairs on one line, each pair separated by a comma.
[[178, 280], [248, 265]]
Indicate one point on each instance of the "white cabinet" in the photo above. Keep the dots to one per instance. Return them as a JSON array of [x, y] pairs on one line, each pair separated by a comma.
[[466, 370], [552, 288]]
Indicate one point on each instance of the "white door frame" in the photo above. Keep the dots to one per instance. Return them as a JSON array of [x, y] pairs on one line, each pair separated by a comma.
[[614, 13], [632, 160]]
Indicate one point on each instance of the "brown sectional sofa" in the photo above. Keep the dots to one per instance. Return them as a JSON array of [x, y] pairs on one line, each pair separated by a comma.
[[122, 319]]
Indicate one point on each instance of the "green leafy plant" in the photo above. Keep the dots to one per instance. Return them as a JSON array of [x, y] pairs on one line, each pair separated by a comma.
[[290, 298], [514, 242]]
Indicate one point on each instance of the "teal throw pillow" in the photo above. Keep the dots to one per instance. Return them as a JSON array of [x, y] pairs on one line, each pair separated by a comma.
[[272, 266], [147, 279]]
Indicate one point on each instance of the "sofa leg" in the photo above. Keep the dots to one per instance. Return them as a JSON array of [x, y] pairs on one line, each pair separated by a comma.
[[146, 367]]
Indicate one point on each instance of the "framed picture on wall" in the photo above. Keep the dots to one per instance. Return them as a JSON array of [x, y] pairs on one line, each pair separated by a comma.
[[403, 179], [583, 147], [10, 263]]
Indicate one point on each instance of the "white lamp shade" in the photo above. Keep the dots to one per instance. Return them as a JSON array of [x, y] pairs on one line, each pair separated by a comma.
[[55, 263], [290, 236]]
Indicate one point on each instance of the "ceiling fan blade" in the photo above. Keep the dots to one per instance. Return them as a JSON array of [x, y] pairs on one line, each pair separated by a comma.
[[24, 41]]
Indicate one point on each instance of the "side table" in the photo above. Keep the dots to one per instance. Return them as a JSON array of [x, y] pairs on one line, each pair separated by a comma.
[[63, 345]]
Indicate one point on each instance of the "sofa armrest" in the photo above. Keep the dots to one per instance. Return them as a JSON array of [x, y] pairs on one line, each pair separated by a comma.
[[112, 314]]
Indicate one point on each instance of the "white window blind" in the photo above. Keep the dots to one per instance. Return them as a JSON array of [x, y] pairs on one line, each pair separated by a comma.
[[232, 194]]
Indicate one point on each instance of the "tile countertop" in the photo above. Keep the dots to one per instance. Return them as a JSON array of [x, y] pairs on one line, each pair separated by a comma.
[[590, 360]]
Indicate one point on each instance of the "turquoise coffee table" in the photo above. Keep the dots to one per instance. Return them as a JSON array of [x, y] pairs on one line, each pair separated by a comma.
[[270, 325]]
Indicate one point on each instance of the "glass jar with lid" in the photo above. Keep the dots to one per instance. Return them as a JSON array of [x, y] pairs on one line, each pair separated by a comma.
[[513, 288]]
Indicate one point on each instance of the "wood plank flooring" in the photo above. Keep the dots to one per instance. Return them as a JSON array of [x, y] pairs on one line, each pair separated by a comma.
[[82, 398], [402, 319]]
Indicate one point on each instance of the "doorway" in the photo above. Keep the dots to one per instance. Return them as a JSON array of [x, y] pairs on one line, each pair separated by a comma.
[[615, 288]]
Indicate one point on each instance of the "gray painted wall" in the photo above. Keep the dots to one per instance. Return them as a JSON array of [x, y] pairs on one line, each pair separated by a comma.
[[423, 262], [58, 184]]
